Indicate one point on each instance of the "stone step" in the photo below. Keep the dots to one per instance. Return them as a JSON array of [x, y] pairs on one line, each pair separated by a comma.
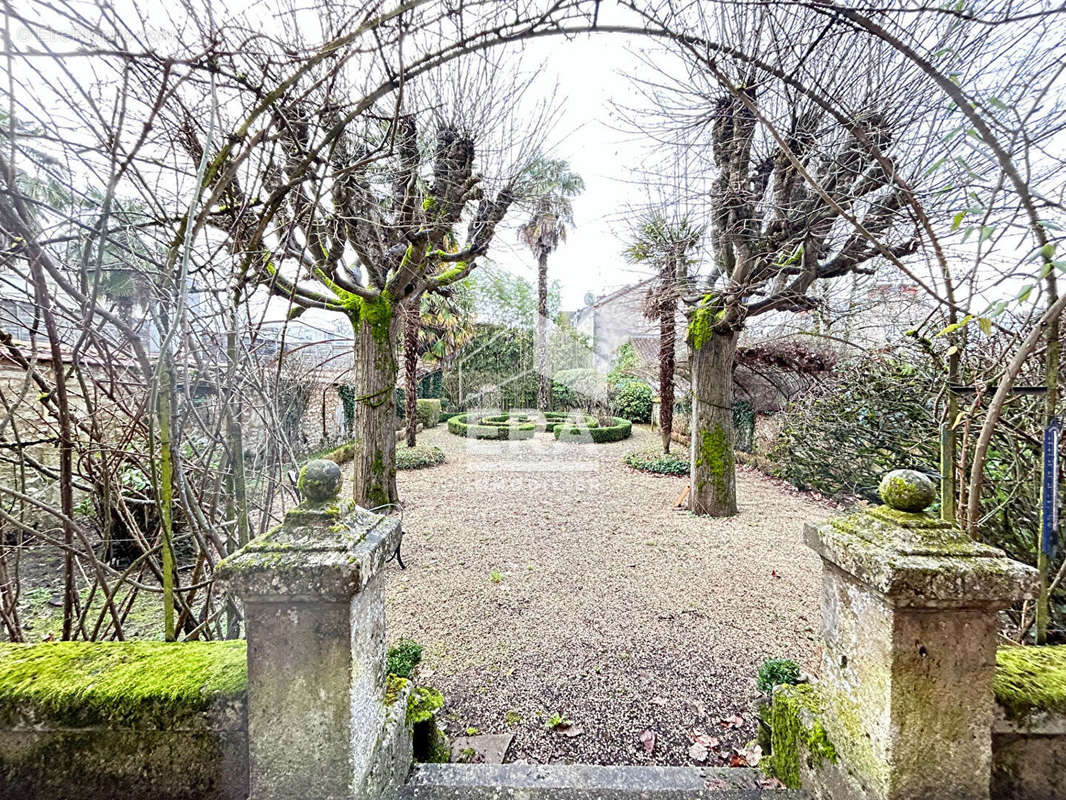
[[587, 782]]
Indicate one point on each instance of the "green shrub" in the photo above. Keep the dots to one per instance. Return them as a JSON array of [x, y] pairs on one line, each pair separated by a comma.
[[776, 671], [622, 367], [428, 412], [563, 396], [470, 425], [658, 462], [447, 415], [632, 401], [403, 657], [418, 457], [743, 426], [621, 429]]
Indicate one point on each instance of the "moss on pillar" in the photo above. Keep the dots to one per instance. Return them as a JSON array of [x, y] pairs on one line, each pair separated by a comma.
[[796, 733]]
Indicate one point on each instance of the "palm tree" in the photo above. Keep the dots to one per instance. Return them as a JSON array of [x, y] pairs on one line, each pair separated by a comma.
[[552, 185], [434, 330], [666, 245]]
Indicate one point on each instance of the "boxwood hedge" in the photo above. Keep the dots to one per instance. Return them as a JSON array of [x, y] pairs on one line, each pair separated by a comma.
[[621, 429], [474, 426]]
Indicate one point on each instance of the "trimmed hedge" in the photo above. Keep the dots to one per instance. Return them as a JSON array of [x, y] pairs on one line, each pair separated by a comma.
[[471, 426], [418, 457], [621, 429], [447, 415], [658, 462]]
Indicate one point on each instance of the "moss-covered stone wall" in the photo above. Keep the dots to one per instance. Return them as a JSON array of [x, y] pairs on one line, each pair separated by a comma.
[[126, 720], [1029, 735]]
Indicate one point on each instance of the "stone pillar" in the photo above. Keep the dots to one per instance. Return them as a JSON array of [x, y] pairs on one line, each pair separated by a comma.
[[909, 617], [315, 614]]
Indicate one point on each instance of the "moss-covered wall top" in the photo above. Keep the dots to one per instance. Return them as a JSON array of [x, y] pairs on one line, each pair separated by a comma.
[[140, 684], [1031, 679]]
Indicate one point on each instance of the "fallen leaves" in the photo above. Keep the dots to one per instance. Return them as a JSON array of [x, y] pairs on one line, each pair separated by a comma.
[[748, 757], [647, 741], [702, 745]]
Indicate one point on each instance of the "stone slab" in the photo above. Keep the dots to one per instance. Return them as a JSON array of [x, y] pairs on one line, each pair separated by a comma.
[[587, 782], [489, 748]]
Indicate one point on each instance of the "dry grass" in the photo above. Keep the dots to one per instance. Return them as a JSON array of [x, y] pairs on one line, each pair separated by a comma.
[[548, 578]]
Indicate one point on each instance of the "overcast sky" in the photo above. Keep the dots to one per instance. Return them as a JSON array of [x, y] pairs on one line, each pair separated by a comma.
[[590, 73]]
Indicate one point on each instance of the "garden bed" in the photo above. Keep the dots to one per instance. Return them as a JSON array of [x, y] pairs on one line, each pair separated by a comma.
[[657, 462]]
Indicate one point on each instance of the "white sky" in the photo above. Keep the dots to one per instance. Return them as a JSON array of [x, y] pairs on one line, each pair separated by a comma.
[[590, 72]]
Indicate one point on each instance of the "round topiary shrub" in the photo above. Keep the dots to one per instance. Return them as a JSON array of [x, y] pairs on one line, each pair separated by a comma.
[[633, 401], [418, 457], [658, 462], [619, 430]]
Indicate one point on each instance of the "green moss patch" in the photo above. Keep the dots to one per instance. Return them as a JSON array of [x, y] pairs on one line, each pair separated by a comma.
[[418, 457], [1031, 679], [795, 729], [394, 686], [342, 454], [86, 683], [423, 705]]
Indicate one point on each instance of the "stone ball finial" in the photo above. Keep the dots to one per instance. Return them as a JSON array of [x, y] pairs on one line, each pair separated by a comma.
[[907, 490], [320, 480]]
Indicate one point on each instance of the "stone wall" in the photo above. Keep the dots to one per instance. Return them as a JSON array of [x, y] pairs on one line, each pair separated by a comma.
[[123, 721], [1029, 731]]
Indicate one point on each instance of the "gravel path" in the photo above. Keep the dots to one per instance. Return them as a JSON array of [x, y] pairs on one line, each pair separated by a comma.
[[546, 578]]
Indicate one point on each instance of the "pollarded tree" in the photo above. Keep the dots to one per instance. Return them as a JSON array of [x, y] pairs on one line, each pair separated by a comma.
[[552, 186], [667, 245], [773, 237], [803, 185], [365, 235]]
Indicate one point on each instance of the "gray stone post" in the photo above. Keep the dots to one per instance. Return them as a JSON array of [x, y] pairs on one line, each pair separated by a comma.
[[318, 725], [909, 616]]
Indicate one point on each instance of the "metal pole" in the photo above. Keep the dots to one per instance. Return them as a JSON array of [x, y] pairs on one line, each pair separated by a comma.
[[1049, 522]]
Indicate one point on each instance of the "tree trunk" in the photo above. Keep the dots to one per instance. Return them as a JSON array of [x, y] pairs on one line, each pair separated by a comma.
[[373, 427], [713, 475], [411, 323], [667, 356], [544, 387]]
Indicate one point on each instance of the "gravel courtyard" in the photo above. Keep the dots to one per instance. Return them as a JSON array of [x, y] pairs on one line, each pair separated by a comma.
[[550, 579]]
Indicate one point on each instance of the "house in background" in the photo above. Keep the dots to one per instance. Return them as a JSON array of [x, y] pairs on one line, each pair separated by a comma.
[[615, 318]]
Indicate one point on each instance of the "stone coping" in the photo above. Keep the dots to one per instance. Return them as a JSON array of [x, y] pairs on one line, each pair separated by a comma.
[[1030, 688], [321, 551], [142, 685], [915, 560]]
